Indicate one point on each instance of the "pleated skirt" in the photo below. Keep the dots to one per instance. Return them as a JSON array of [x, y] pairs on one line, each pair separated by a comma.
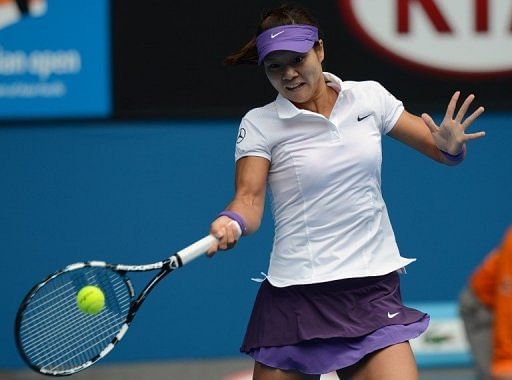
[[319, 328]]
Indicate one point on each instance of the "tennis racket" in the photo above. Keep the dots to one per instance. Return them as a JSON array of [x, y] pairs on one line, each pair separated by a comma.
[[56, 338]]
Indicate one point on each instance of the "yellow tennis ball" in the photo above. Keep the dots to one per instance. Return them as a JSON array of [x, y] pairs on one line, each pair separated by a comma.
[[90, 299]]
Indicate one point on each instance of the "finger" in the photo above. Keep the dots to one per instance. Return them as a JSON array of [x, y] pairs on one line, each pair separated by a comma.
[[230, 236], [213, 249], [474, 136], [452, 105], [471, 118], [429, 122], [215, 246], [220, 234], [464, 108], [223, 243]]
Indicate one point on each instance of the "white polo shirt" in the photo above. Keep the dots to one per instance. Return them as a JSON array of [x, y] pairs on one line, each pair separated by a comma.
[[325, 184]]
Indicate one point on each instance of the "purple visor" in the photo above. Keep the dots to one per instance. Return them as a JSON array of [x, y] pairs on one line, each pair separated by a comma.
[[298, 38]]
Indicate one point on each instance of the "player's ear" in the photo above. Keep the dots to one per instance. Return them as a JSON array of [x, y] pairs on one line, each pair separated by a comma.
[[319, 50]]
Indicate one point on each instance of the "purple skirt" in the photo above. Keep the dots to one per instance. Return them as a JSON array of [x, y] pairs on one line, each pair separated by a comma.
[[337, 322]]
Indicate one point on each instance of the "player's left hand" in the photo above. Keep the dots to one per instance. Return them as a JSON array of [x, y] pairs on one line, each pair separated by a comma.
[[450, 136]]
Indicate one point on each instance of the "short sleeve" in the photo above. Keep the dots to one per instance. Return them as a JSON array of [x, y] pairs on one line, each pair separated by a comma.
[[250, 141], [391, 109]]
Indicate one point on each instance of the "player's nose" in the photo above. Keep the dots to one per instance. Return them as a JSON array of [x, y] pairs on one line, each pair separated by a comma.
[[289, 73]]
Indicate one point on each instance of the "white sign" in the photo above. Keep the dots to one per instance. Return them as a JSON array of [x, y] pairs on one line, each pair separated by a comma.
[[467, 37]]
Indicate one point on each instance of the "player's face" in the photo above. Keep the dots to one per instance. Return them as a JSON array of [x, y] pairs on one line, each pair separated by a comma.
[[296, 76]]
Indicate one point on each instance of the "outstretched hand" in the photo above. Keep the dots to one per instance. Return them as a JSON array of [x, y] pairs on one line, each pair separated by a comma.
[[450, 136]]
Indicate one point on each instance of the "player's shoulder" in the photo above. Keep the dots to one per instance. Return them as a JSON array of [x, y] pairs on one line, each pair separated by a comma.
[[366, 91], [263, 113], [366, 85]]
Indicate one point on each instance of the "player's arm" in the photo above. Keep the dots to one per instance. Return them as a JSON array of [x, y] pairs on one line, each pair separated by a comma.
[[412, 131], [425, 136], [250, 185], [248, 202]]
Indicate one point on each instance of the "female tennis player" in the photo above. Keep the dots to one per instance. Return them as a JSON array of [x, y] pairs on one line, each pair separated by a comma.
[[331, 300]]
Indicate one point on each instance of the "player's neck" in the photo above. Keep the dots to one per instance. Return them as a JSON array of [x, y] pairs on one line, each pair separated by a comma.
[[322, 102]]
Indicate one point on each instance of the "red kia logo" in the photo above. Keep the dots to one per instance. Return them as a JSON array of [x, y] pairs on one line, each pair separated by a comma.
[[456, 37]]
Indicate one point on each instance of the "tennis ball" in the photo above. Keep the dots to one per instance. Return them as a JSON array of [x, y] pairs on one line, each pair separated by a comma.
[[90, 299]]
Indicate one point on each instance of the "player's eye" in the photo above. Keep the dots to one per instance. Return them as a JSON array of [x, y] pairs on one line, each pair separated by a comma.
[[273, 66], [299, 59]]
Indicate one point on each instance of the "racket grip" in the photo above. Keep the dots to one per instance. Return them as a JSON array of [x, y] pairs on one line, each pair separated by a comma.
[[196, 249], [200, 247]]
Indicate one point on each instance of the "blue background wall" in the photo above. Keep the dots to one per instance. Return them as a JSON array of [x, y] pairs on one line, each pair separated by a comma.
[[133, 193]]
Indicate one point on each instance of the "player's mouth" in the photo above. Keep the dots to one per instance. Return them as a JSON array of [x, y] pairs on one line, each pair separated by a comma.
[[295, 86]]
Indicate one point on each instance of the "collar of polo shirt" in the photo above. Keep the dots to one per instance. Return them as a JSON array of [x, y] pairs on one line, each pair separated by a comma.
[[287, 110]]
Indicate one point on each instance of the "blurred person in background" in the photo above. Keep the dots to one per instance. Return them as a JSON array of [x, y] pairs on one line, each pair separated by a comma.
[[12, 11], [486, 309], [331, 300]]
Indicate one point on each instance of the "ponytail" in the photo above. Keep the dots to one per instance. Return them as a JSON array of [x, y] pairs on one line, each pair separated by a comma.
[[246, 55]]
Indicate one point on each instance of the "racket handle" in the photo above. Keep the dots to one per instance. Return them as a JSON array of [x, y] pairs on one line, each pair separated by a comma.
[[200, 247], [196, 249]]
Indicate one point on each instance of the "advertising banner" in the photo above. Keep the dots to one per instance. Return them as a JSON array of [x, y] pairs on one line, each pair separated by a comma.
[[54, 59], [452, 38], [422, 51]]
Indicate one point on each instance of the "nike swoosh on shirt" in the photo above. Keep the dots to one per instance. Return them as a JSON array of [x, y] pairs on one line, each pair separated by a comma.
[[277, 34], [390, 316], [359, 118]]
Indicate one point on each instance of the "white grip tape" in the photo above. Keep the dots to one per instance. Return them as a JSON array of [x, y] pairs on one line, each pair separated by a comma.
[[200, 247], [195, 250]]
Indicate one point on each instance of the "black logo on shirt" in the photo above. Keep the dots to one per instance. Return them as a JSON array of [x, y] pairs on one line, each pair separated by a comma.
[[359, 118], [241, 135]]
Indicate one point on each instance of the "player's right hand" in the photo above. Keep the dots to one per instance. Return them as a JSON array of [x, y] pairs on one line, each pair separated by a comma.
[[227, 233]]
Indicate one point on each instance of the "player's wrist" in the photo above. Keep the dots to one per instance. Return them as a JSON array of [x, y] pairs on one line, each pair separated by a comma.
[[454, 159], [237, 218]]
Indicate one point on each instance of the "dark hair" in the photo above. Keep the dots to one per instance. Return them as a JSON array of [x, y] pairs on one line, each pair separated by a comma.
[[284, 15]]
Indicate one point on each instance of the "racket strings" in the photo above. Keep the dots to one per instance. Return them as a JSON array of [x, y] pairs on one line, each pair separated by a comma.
[[71, 339], [67, 312], [56, 336], [40, 304], [72, 335], [39, 316]]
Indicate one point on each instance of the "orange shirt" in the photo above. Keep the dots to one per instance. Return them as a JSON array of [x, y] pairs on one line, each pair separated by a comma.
[[492, 284]]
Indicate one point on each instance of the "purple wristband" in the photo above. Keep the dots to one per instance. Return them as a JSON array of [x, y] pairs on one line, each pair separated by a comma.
[[455, 158], [237, 218]]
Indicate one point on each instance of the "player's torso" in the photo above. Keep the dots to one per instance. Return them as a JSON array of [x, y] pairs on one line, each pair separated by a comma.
[[326, 167]]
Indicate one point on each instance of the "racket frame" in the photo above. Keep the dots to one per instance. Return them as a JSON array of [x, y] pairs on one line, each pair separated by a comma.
[[165, 267]]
